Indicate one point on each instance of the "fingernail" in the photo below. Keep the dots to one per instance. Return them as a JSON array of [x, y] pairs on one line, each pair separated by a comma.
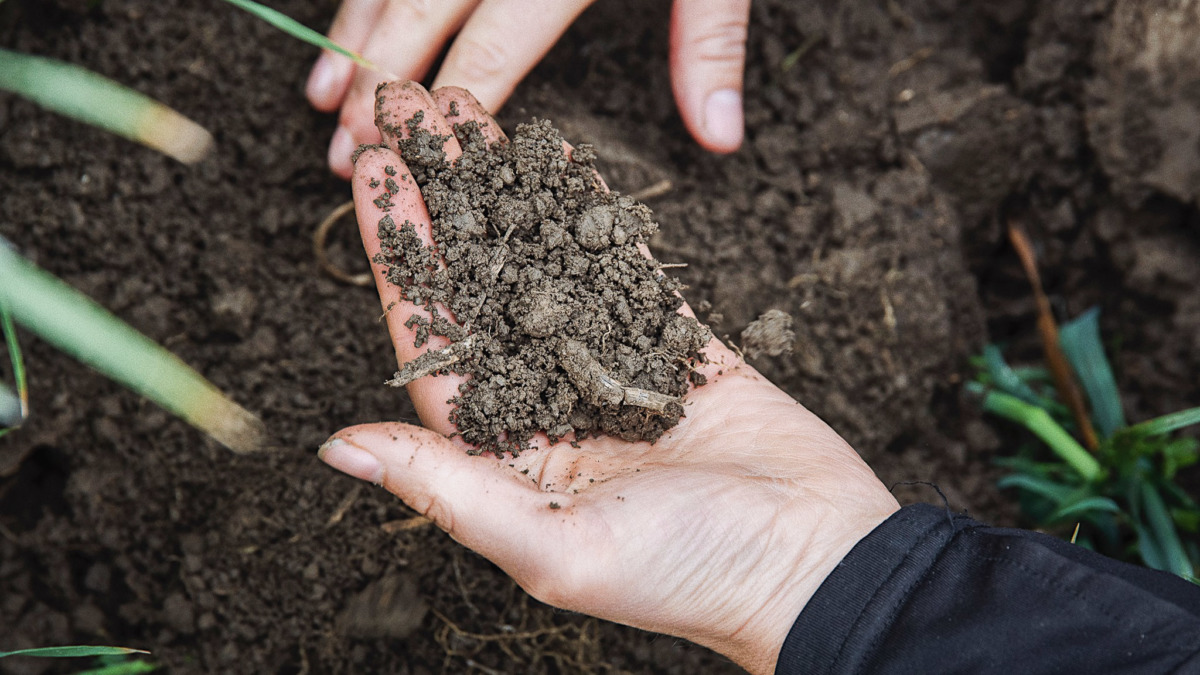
[[341, 147], [723, 119], [351, 460], [320, 80]]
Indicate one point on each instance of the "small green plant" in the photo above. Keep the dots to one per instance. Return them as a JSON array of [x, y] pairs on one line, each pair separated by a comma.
[[1122, 499], [81, 94], [109, 660], [88, 97], [14, 402], [298, 30], [78, 326]]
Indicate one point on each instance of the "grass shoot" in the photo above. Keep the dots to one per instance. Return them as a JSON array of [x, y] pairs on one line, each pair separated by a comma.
[[82, 328], [14, 403], [299, 31], [88, 97], [74, 651]]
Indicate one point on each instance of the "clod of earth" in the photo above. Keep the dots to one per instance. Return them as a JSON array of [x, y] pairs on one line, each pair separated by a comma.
[[770, 334], [555, 315]]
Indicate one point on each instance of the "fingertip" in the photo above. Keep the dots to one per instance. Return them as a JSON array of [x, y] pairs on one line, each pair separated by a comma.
[[341, 149], [708, 57], [352, 460], [724, 123], [328, 82], [458, 105]]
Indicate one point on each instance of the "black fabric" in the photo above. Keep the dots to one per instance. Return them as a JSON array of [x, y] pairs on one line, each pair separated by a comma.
[[930, 592]]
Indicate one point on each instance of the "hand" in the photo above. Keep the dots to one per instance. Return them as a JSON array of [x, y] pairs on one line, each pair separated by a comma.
[[499, 41], [719, 533]]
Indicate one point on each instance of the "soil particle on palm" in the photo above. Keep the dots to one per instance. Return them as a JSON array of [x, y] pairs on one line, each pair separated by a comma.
[[572, 328], [770, 334]]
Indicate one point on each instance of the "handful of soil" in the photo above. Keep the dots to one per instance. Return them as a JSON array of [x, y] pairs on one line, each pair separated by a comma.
[[559, 320]]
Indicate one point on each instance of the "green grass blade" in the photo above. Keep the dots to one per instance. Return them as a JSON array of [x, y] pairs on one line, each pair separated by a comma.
[[1080, 341], [1167, 423], [14, 403], [73, 651], [91, 98], [122, 668], [10, 410], [1005, 378], [1040, 423], [1055, 492], [80, 327], [298, 30], [1163, 526], [1149, 550], [1085, 508]]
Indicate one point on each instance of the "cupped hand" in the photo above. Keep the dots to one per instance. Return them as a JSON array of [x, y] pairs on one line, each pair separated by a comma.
[[497, 42], [719, 532]]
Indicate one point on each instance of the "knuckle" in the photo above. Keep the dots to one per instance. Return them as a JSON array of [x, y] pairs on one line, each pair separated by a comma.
[[414, 10], [436, 510], [480, 60], [723, 41]]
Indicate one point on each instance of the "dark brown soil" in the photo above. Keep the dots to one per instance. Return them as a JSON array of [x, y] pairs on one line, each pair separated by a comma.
[[887, 144], [555, 314]]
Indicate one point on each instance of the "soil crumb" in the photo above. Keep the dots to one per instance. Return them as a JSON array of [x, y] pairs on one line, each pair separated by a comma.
[[770, 334], [557, 317]]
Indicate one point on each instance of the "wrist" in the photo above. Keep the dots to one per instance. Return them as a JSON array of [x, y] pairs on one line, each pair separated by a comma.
[[771, 608]]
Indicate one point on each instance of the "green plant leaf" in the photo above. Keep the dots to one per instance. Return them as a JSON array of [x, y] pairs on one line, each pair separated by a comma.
[[1166, 424], [73, 651], [122, 668], [1055, 492], [77, 325], [14, 403], [91, 98], [1159, 521], [1188, 520], [1178, 454], [1084, 508], [1149, 550], [1080, 341], [1040, 423], [298, 30], [1005, 378]]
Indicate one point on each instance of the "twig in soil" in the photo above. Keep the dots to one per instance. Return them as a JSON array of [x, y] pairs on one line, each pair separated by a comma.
[[1060, 369], [909, 62], [430, 362], [404, 525], [318, 240], [658, 189], [340, 512], [599, 388]]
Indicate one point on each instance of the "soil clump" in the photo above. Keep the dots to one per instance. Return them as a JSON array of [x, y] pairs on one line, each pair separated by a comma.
[[555, 314]]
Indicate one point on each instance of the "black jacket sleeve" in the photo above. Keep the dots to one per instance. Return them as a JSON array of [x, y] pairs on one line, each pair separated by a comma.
[[932, 592]]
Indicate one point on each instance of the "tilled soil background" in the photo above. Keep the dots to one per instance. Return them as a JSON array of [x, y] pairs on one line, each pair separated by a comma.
[[888, 143]]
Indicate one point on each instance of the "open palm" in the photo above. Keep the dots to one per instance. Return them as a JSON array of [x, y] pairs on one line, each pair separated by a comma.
[[719, 532]]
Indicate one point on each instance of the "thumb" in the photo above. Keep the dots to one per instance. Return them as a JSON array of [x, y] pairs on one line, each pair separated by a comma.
[[478, 500], [708, 57]]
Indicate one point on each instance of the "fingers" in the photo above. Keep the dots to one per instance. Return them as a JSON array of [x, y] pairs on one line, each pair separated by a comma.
[[478, 500], [331, 74], [398, 102], [403, 41], [457, 105], [385, 195], [708, 56], [501, 42], [376, 208]]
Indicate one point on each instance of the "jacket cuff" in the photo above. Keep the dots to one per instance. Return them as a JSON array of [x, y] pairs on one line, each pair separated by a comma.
[[865, 590]]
